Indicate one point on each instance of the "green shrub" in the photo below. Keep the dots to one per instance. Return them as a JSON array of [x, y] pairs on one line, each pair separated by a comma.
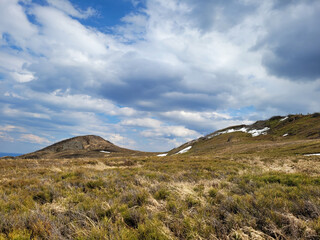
[[134, 197], [191, 202], [172, 207], [43, 196], [95, 184], [133, 217], [213, 192], [151, 231], [162, 194]]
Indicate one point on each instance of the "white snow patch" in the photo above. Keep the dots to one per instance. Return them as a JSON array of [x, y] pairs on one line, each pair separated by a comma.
[[253, 132], [256, 132], [184, 150], [283, 119], [162, 154], [286, 134], [312, 154], [231, 130], [104, 151]]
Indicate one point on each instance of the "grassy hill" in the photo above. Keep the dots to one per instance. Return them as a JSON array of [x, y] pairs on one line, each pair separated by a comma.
[[290, 135], [227, 186], [89, 146]]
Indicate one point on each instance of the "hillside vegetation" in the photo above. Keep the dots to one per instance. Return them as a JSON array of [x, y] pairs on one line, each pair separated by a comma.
[[290, 135], [161, 198], [89, 146], [227, 186]]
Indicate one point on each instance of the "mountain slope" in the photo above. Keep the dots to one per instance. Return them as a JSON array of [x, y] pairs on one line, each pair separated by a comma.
[[293, 134], [82, 146]]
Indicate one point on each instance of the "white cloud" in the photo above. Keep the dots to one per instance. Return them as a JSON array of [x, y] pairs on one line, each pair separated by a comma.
[[15, 23], [33, 139], [170, 131], [10, 128], [6, 137], [66, 40], [142, 122], [23, 77], [69, 9], [121, 140], [173, 69], [7, 110], [203, 120], [156, 128]]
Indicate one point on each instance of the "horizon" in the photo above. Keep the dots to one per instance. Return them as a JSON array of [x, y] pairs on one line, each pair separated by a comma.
[[151, 75]]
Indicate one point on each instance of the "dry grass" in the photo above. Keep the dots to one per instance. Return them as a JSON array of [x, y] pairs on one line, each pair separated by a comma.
[[246, 196]]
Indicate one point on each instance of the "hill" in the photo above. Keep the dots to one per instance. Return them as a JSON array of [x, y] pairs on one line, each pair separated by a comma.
[[292, 134], [242, 182], [76, 147]]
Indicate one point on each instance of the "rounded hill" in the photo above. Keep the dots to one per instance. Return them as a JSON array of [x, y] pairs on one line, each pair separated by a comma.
[[81, 146]]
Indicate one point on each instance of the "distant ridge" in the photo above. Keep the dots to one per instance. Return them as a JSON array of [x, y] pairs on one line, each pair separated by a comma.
[[292, 134], [81, 146]]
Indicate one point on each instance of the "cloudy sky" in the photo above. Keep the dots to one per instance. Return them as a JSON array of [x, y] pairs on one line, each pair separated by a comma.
[[152, 74]]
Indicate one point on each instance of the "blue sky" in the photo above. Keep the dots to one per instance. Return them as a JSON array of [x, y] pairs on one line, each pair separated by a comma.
[[151, 75]]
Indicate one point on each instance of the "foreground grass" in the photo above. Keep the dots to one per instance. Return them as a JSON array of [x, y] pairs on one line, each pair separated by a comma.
[[160, 198]]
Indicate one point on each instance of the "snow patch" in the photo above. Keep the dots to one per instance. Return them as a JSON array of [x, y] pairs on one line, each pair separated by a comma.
[[312, 154], [286, 134], [253, 132], [228, 131], [104, 151], [256, 132], [184, 150], [283, 119], [162, 154]]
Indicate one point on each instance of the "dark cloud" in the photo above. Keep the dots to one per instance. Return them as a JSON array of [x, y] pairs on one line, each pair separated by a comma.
[[141, 80], [51, 77], [293, 45]]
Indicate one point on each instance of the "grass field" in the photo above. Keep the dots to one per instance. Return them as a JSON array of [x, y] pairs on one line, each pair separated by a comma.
[[246, 196]]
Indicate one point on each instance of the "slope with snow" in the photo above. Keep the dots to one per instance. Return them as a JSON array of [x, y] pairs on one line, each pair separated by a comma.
[[312, 154], [162, 154], [253, 132], [184, 150]]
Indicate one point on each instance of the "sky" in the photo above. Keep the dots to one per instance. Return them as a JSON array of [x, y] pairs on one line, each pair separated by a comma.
[[152, 74]]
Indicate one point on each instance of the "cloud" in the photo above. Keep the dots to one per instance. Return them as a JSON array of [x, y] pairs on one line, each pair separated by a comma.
[[169, 72], [6, 137], [22, 77], [121, 141], [69, 9], [9, 111], [142, 122], [170, 132], [203, 122], [291, 43], [220, 14], [157, 128], [10, 128], [15, 24], [33, 139]]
